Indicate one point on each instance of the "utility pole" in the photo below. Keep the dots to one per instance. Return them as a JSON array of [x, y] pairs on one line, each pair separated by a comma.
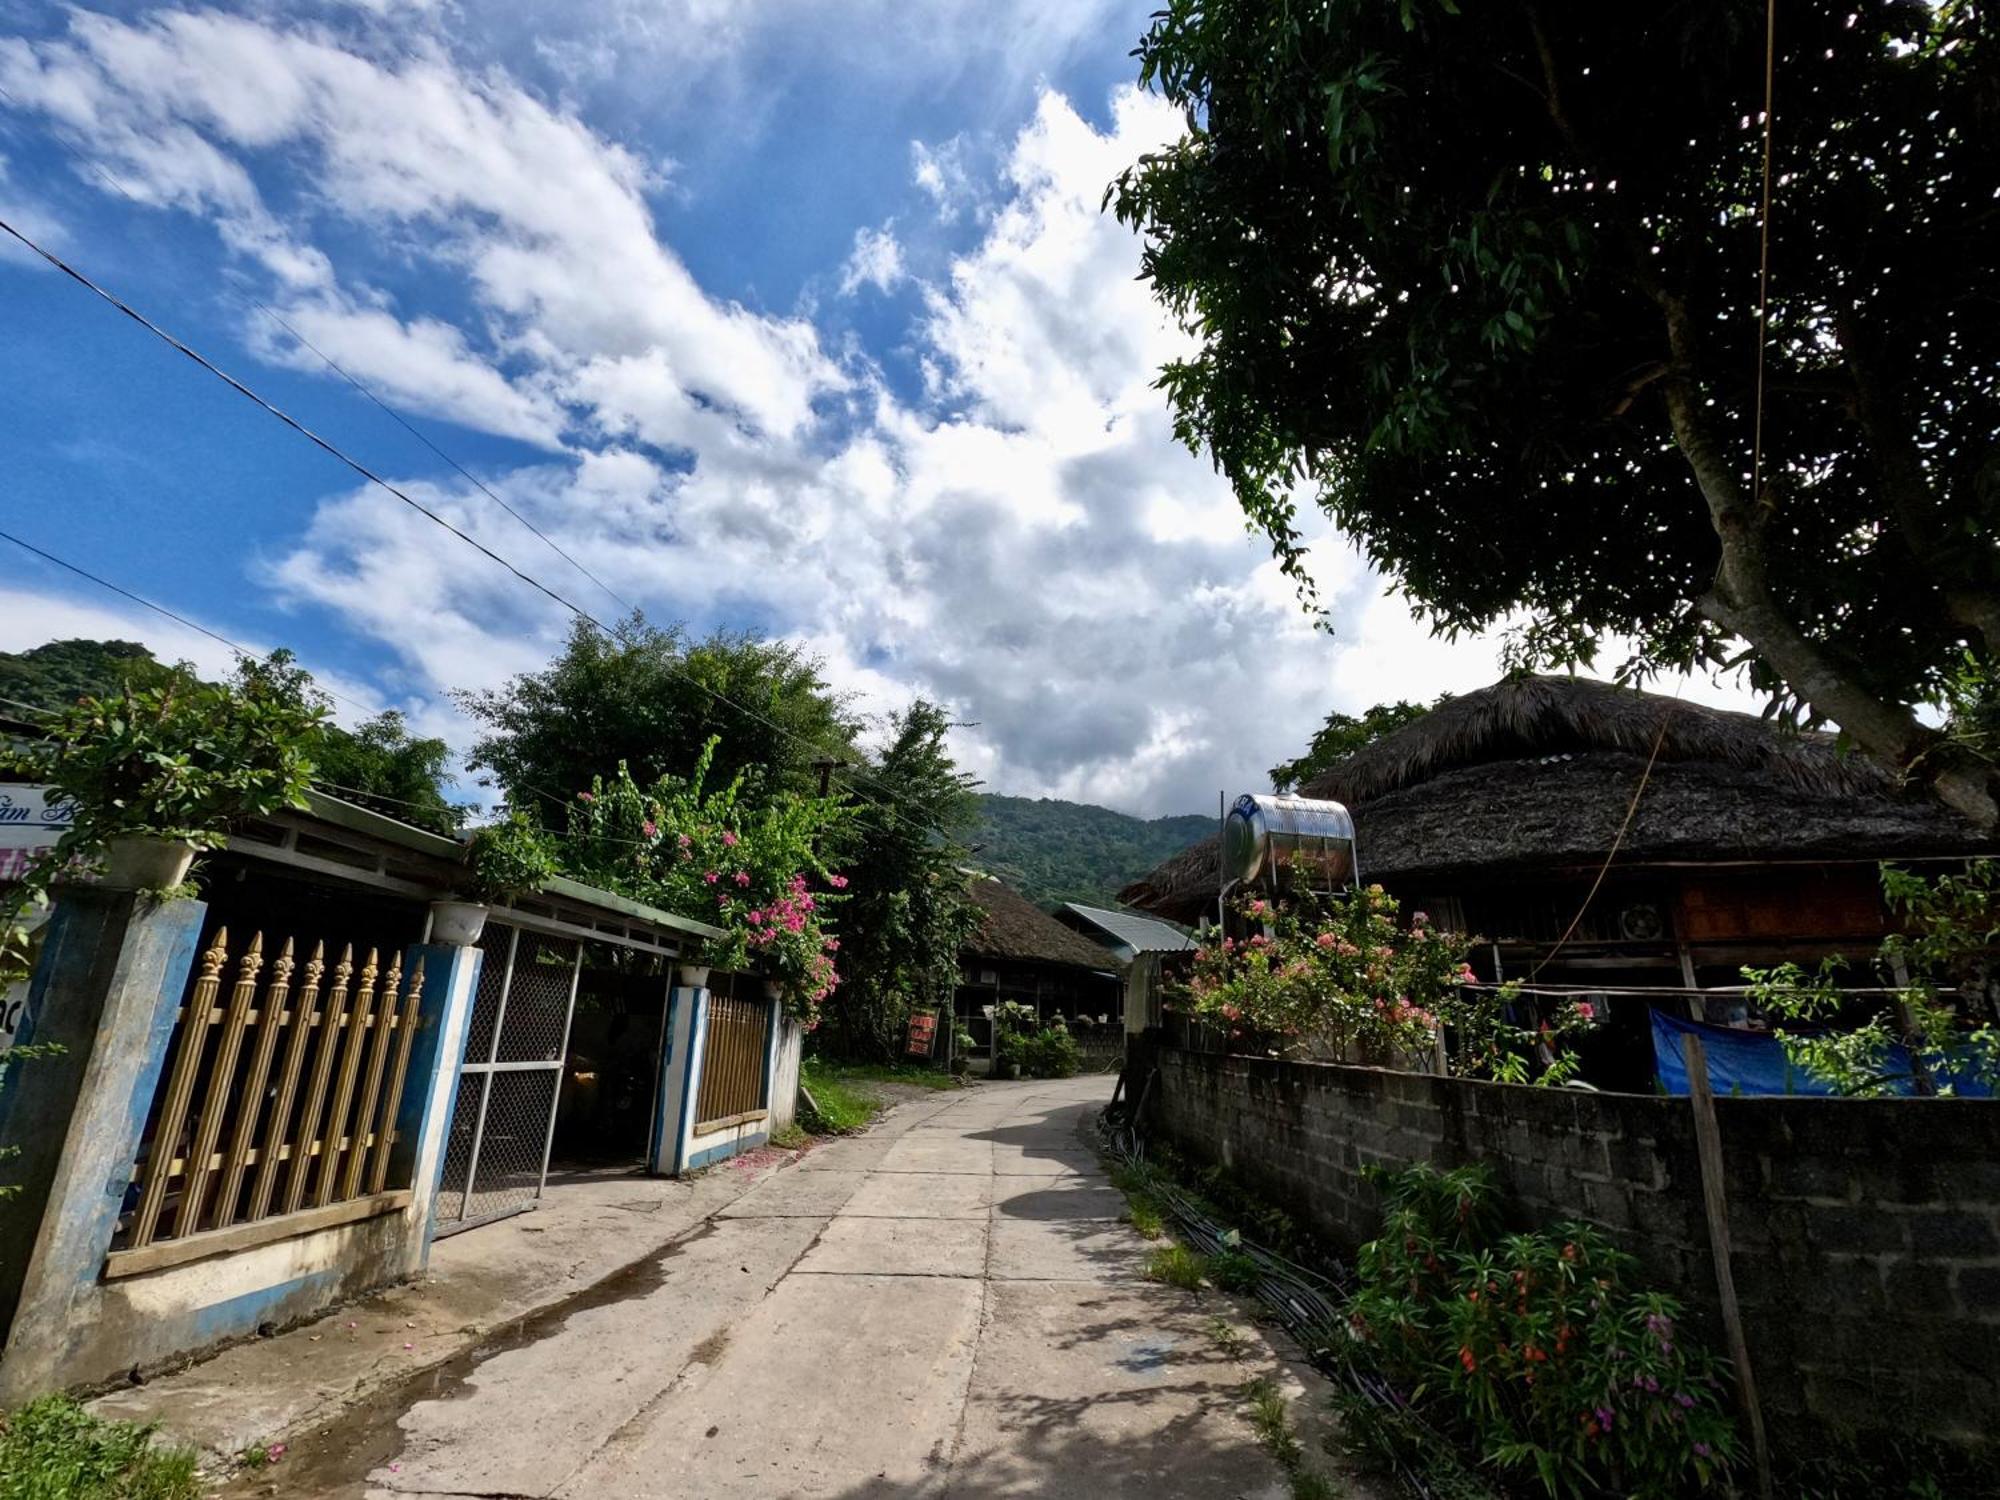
[[826, 767]]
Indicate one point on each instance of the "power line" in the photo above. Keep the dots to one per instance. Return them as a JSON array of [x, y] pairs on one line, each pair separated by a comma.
[[119, 187], [346, 459]]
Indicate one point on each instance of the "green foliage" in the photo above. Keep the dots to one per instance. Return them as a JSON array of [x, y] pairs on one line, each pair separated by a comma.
[[178, 757], [1507, 341], [904, 916], [1176, 1265], [1537, 1345], [54, 675], [510, 858], [651, 698], [1338, 977], [1052, 851], [714, 855], [382, 766], [1146, 1215], [1234, 1271], [1342, 735], [168, 755], [1049, 1053], [1950, 927], [52, 1449], [843, 1102]]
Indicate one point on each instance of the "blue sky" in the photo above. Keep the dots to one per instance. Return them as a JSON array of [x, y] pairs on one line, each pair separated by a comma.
[[791, 314]]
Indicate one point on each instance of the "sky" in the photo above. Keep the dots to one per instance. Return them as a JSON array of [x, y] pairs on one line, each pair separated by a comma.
[[795, 316]]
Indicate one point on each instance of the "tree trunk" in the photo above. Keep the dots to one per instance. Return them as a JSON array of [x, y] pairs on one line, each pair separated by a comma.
[[1743, 603]]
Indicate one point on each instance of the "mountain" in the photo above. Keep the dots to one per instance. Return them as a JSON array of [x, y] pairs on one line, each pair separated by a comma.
[[1054, 851]]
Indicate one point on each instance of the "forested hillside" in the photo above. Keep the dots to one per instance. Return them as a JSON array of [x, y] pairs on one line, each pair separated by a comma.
[[1070, 851]]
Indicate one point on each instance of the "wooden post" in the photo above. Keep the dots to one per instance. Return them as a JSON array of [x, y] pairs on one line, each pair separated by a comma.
[[1715, 1207]]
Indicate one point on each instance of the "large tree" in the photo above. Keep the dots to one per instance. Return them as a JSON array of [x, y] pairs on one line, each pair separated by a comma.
[[652, 697], [381, 765], [905, 914], [1481, 281], [1343, 734]]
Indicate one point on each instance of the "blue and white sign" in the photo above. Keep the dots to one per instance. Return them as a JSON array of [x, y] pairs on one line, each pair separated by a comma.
[[32, 818]]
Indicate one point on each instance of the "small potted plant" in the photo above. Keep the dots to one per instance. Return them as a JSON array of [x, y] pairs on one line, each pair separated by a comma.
[[158, 770], [503, 860]]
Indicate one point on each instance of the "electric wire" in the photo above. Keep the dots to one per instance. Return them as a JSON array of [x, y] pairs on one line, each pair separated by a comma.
[[334, 451]]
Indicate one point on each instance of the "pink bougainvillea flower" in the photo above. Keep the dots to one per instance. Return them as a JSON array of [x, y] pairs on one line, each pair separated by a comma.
[[650, 828], [684, 841], [742, 877], [586, 796], [711, 877], [838, 882], [1585, 1009], [756, 919], [728, 839]]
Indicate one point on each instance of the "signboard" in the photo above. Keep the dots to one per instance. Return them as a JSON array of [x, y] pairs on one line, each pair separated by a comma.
[[923, 1033], [30, 821]]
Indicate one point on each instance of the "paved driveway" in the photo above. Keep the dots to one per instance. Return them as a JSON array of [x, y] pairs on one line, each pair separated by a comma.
[[946, 1306]]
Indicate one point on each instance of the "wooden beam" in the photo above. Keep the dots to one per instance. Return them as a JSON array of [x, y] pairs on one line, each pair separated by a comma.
[[1715, 1206]]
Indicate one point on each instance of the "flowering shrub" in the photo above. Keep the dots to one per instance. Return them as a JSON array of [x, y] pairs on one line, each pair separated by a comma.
[[751, 870], [1537, 1345], [1334, 978], [1340, 978]]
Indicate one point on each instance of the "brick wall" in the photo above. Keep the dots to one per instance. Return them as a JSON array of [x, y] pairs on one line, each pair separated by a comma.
[[1866, 1255]]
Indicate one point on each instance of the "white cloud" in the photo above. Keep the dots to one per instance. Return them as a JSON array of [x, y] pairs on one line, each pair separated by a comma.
[[1024, 541], [876, 260]]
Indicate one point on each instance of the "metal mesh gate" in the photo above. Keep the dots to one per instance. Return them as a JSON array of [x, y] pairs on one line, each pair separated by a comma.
[[498, 1151]]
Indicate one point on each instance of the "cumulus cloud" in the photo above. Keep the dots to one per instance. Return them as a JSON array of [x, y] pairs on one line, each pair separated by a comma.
[[1021, 538]]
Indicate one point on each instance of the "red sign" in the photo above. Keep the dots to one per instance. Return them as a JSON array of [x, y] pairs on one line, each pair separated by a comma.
[[923, 1032]]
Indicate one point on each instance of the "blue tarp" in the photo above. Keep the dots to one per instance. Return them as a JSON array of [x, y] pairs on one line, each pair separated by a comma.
[[1751, 1062]]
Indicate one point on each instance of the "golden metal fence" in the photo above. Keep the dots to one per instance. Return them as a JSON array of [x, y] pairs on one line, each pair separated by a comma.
[[732, 1067], [278, 1101]]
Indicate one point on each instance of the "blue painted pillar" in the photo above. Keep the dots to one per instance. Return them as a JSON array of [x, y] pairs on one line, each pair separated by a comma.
[[112, 972], [430, 1091], [681, 1043]]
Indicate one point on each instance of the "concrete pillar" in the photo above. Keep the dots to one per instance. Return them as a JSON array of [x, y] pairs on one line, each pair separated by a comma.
[[681, 1043], [430, 1092], [112, 972]]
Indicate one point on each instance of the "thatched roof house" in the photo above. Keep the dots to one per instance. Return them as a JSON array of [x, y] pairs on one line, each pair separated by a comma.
[[1013, 929], [1498, 808]]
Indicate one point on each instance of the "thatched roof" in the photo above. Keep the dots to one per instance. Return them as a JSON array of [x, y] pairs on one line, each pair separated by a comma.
[[1536, 774], [1012, 927]]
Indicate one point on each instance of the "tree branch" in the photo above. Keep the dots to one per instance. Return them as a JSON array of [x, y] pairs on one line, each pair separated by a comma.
[[1899, 470]]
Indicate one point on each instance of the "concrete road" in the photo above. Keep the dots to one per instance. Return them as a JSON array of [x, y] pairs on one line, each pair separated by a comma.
[[948, 1306]]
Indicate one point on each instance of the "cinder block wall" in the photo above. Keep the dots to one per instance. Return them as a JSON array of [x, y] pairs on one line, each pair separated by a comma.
[[1866, 1232]]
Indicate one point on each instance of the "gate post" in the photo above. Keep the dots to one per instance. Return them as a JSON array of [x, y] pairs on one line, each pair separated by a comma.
[[430, 1094], [106, 990], [682, 1041]]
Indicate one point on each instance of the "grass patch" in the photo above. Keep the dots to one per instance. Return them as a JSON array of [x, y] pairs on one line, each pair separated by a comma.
[[52, 1449], [849, 1095], [1228, 1338], [790, 1137], [1176, 1265], [1273, 1426], [1146, 1216]]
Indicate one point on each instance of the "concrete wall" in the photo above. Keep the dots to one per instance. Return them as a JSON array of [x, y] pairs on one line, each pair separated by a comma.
[[1866, 1232], [109, 985]]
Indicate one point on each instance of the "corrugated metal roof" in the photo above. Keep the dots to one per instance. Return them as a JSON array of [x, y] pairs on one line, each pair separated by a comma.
[[1140, 934]]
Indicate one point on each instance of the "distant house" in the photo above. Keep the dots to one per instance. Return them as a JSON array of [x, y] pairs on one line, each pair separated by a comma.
[[1126, 934], [1498, 812], [1021, 953]]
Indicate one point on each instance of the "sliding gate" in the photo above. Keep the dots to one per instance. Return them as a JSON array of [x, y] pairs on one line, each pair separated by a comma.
[[498, 1152]]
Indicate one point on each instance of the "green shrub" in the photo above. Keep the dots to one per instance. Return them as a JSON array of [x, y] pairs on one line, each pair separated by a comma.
[[1234, 1271], [1049, 1053], [1145, 1215], [52, 1449], [1537, 1346]]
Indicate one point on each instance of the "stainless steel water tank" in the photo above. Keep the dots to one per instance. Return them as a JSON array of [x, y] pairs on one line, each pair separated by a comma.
[[1289, 843]]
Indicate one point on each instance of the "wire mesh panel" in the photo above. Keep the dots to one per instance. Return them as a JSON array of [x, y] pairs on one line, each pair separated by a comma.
[[732, 1068], [497, 1154]]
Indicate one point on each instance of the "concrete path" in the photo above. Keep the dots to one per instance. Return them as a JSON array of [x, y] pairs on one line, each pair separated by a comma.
[[948, 1306]]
